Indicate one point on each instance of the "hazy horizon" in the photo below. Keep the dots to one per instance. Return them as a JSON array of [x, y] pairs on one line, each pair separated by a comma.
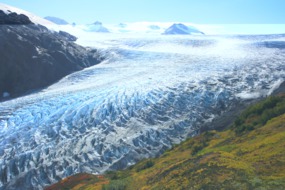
[[199, 12]]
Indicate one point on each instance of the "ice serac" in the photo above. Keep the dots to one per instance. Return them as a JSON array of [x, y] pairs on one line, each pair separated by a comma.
[[33, 57], [56, 20], [181, 29]]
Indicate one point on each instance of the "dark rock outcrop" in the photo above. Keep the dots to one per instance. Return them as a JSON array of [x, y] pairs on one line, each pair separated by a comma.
[[33, 57], [13, 18], [67, 36]]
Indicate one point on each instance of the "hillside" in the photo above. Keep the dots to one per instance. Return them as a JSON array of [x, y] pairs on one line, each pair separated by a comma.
[[249, 155], [33, 57]]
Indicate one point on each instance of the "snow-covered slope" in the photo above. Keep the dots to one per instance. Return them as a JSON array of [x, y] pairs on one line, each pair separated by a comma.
[[35, 19], [152, 92]]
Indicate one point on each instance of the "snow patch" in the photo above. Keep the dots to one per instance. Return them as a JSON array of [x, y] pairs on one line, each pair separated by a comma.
[[275, 86], [20, 37], [248, 95], [39, 50]]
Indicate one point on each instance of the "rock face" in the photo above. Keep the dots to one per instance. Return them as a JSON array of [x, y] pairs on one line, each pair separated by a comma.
[[33, 57], [181, 29], [56, 20], [67, 36]]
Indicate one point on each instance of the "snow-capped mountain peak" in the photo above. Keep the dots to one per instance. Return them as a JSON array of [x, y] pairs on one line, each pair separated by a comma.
[[98, 23], [182, 29], [97, 27], [56, 20]]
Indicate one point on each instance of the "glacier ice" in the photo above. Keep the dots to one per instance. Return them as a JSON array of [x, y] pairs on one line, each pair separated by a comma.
[[152, 92]]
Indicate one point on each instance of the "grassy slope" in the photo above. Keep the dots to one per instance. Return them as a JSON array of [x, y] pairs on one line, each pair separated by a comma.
[[250, 155], [79, 182]]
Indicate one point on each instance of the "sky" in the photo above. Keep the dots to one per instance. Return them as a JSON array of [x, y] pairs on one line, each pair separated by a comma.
[[194, 11]]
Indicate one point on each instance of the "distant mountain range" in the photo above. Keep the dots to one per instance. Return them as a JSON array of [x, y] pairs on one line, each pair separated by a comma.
[[137, 27]]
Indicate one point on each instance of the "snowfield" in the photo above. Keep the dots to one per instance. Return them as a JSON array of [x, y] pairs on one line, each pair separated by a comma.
[[151, 92]]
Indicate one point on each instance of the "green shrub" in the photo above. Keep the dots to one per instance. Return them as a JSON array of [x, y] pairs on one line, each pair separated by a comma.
[[258, 114], [112, 175], [147, 164], [116, 185], [196, 149]]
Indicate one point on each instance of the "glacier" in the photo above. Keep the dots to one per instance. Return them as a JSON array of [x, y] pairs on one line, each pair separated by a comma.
[[152, 92]]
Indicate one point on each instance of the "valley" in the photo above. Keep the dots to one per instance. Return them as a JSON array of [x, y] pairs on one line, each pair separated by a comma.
[[151, 92], [93, 99]]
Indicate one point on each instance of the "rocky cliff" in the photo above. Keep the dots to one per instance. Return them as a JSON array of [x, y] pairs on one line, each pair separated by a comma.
[[33, 57]]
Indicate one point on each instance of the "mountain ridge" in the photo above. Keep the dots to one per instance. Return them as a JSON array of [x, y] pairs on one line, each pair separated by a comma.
[[33, 18]]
